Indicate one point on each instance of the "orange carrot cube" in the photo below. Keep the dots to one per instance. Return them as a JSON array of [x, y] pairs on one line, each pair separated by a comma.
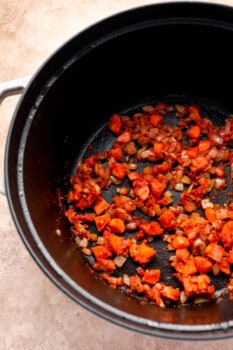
[[157, 188], [119, 170], [115, 124], [156, 119], [194, 132], [101, 221], [117, 225], [151, 276], [100, 206]]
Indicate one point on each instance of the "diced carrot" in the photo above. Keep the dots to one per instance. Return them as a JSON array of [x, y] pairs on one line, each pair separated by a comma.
[[142, 192], [182, 254], [86, 201], [106, 265], [101, 221], [152, 229], [75, 218], [178, 265], [192, 152], [101, 252], [125, 137], [125, 203], [170, 292], [119, 170], [203, 283], [120, 213], [156, 119], [204, 146], [141, 189], [157, 188], [117, 244], [199, 192], [194, 132], [194, 285], [147, 173], [189, 268], [158, 148], [210, 214], [100, 205], [154, 295], [141, 253], [191, 230], [161, 168], [151, 276], [226, 234], [180, 242], [220, 171], [116, 153], [90, 161], [139, 235], [224, 266], [222, 213], [136, 284], [200, 163], [215, 252], [162, 178], [190, 285], [117, 225], [186, 200], [168, 219], [134, 176], [73, 196], [115, 123], [93, 237], [202, 264]]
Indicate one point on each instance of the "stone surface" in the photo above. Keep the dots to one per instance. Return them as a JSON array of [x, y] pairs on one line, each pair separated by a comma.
[[34, 314]]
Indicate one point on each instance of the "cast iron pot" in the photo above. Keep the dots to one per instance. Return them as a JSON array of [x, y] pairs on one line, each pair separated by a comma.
[[171, 52]]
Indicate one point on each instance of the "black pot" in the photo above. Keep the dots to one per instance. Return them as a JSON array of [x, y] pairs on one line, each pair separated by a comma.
[[163, 52]]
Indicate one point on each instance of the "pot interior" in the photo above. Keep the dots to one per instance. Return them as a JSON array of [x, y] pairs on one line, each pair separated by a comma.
[[177, 52]]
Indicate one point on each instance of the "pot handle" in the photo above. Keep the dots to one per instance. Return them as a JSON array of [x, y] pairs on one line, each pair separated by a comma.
[[10, 88]]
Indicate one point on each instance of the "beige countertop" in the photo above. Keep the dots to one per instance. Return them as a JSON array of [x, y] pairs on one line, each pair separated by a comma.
[[34, 313]]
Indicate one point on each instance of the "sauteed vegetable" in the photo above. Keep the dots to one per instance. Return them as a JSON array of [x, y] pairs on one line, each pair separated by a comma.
[[164, 169]]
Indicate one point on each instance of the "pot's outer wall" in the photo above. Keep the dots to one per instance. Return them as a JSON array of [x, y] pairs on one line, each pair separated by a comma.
[[172, 52]]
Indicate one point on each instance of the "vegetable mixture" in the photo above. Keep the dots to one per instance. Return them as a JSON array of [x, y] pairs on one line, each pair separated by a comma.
[[165, 177]]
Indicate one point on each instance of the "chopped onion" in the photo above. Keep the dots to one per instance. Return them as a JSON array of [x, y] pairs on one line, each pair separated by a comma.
[[115, 180], [186, 180], [131, 226], [82, 243], [133, 166], [183, 297], [201, 300], [126, 280], [215, 269], [220, 182], [206, 203], [87, 251], [120, 260], [179, 187]]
